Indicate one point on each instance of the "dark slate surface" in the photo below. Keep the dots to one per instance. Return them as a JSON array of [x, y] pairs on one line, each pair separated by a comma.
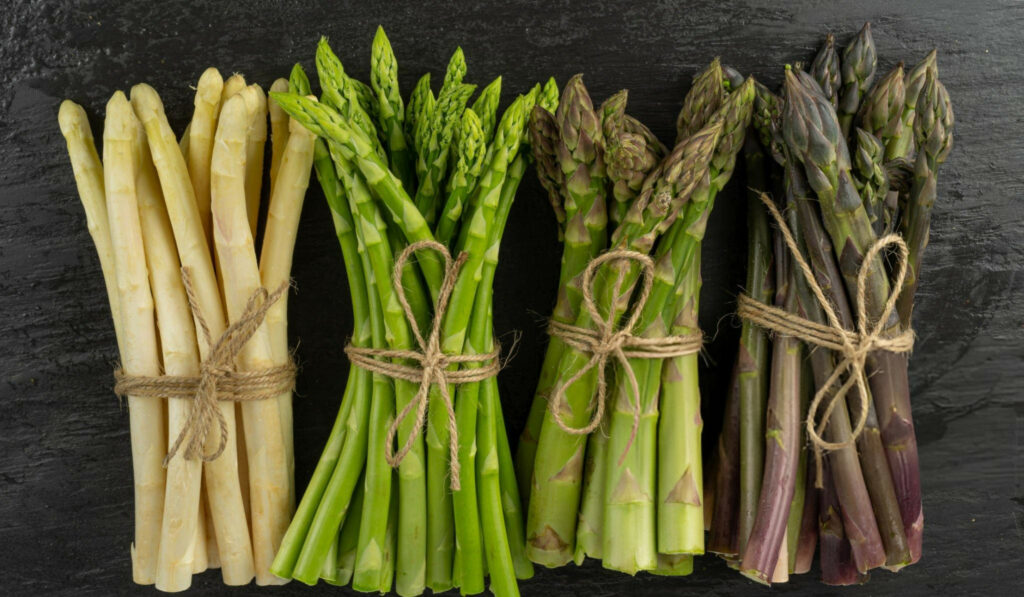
[[65, 482]]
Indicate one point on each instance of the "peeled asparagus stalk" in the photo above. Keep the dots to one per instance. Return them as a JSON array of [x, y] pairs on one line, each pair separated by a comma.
[[282, 227], [85, 163], [224, 492], [200, 140], [180, 353], [279, 128], [255, 139], [140, 347], [233, 240]]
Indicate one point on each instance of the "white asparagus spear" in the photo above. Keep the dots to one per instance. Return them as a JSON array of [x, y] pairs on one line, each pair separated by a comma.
[[180, 357], [268, 473], [210, 534], [141, 354], [183, 142], [200, 558], [85, 163], [221, 475], [276, 258], [278, 131], [255, 140], [200, 145]]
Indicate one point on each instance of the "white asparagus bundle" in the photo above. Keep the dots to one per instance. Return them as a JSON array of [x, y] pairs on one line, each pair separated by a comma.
[[153, 211]]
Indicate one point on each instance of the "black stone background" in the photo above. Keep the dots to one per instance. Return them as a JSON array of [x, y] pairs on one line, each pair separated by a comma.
[[65, 472]]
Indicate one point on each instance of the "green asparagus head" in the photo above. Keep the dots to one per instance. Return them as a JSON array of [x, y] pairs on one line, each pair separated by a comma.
[[333, 79], [933, 124], [858, 68], [543, 142], [486, 107], [456, 70], [767, 119], [469, 150], [667, 189], [549, 96], [881, 112], [298, 82], [365, 97], [825, 69], [580, 128], [735, 115], [321, 119], [628, 158], [703, 99], [419, 111], [384, 72]]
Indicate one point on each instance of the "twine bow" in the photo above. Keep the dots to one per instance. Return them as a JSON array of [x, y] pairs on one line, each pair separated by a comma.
[[853, 346], [605, 342], [217, 379], [431, 362]]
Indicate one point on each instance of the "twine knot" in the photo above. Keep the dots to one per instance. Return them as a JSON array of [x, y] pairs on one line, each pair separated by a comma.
[[607, 341], [432, 364], [217, 379], [853, 346]]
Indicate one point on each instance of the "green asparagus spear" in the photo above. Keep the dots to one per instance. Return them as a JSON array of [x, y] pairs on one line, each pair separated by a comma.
[[858, 70]]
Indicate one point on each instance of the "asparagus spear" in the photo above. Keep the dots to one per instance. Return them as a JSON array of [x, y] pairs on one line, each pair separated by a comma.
[[418, 112], [837, 564], [469, 150], [858, 70], [278, 131], [903, 146], [141, 354], [432, 162], [200, 141], [486, 107], [629, 155], [724, 533], [701, 101]]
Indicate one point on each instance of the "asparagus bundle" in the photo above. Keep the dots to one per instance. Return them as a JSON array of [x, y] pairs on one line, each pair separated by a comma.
[[630, 493], [842, 155], [442, 171], [206, 495]]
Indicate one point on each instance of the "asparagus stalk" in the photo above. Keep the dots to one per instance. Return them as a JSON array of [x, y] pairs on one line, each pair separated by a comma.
[[85, 163], [223, 488], [200, 141], [267, 457], [837, 563], [808, 541], [255, 138], [276, 261], [723, 534], [180, 356], [753, 358], [279, 124], [470, 150], [858, 70], [140, 351], [782, 439]]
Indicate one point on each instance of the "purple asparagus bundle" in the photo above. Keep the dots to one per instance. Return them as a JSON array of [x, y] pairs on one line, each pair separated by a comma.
[[854, 175]]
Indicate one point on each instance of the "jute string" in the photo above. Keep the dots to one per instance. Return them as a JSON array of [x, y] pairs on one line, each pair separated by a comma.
[[431, 363], [217, 379], [604, 341], [853, 346]]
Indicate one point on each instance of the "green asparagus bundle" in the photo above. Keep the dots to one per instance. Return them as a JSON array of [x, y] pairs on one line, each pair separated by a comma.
[[413, 490], [621, 481], [843, 155]]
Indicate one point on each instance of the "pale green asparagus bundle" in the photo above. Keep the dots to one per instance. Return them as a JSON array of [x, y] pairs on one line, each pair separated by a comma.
[[435, 168], [630, 492]]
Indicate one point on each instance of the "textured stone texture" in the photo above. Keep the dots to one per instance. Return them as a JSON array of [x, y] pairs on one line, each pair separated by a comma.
[[65, 476]]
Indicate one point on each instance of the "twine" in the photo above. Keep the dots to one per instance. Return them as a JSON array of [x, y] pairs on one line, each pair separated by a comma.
[[431, 363], [217, 379], [605, 341], [853, 346]]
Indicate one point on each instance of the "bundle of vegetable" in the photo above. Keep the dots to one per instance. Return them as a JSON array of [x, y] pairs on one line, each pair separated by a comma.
[[630, 492], [431, 176], [209, 492], [838, 290]]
